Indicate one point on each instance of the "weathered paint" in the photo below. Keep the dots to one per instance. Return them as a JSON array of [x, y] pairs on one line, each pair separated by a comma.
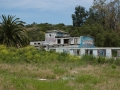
[[82, 51], [118, 53], [108, 53], [52, 37], [71, 52], [95, 52], [60, 50], [86, 42], [101, 52], [74, 40]]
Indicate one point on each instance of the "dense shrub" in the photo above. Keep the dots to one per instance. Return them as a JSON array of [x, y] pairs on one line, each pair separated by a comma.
[[89, 59], [100, 60], [30, 54], [117, 61]]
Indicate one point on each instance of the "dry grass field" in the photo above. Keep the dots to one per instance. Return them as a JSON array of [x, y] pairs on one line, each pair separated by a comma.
[[59, 76]]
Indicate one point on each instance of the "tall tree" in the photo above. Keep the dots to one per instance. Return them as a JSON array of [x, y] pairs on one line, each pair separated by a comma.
[[108, 13], [79, 17], [113, 14], [93, 17], [12, 32], [99, 7]]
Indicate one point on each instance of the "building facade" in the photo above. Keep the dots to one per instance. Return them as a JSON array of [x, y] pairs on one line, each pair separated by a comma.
[[61, 41]]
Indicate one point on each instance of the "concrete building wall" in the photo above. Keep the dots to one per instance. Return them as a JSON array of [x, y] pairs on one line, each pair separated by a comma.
[[71, 52], [82, 51], [74, 40], [36, 43], [60, 50], [108, 53], [86, 42], [53, 37], [62, 41], [32, 43], [50, 38], [118, 53], [95, 52]]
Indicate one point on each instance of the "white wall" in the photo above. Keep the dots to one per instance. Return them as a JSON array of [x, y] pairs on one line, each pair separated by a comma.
[[50, 38], [95, 52], [72, 40], [82, 52], [108, 53], [36, 43], [60, 50]]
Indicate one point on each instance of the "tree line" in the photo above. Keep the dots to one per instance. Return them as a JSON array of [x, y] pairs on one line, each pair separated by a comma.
[[102, 21]]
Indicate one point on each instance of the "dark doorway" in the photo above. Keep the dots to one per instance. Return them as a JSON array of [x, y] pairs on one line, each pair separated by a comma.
[[66, 41], [91, 52], [59, 41]]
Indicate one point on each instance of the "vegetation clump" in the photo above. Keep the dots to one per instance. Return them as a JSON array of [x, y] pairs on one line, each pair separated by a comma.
[[12, 33]]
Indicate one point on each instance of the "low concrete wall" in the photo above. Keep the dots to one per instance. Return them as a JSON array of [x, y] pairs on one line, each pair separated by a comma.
[[83, 50]]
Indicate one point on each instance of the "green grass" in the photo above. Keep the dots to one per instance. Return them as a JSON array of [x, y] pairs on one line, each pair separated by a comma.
[[13, 82], [22, 69], [87, 78]]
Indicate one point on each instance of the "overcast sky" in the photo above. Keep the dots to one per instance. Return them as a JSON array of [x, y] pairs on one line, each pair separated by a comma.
[[42, 11]]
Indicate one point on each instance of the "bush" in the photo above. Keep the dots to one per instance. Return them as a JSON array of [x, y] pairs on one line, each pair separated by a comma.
[[110, 61], [101, 60], [113, 66], [117, 62], [89, 59], [30, 54]]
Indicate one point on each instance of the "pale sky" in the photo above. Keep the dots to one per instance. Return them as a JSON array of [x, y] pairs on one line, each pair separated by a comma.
[[42, 11]]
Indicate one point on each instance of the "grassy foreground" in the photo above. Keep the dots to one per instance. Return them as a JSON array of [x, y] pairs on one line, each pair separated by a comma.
[[30, 69]]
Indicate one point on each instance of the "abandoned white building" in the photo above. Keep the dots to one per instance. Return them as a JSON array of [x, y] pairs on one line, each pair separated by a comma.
[[61, 41], [56, 38]]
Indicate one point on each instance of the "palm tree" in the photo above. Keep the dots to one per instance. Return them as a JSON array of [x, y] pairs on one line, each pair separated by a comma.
[[12, 33]]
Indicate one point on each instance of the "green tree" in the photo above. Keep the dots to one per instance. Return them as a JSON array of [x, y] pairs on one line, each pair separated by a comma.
[[113, 15], [93, 17], [12, 33], [80, 16], [111, 39], [108, 13], [99, 7]]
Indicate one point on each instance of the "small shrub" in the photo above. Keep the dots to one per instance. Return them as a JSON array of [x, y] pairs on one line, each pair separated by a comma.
[[101, 59], [73, 58], [62, 56], [113, 66], [117, 61], [2, 47], [110, 61], [4, 52], [89, 58]]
